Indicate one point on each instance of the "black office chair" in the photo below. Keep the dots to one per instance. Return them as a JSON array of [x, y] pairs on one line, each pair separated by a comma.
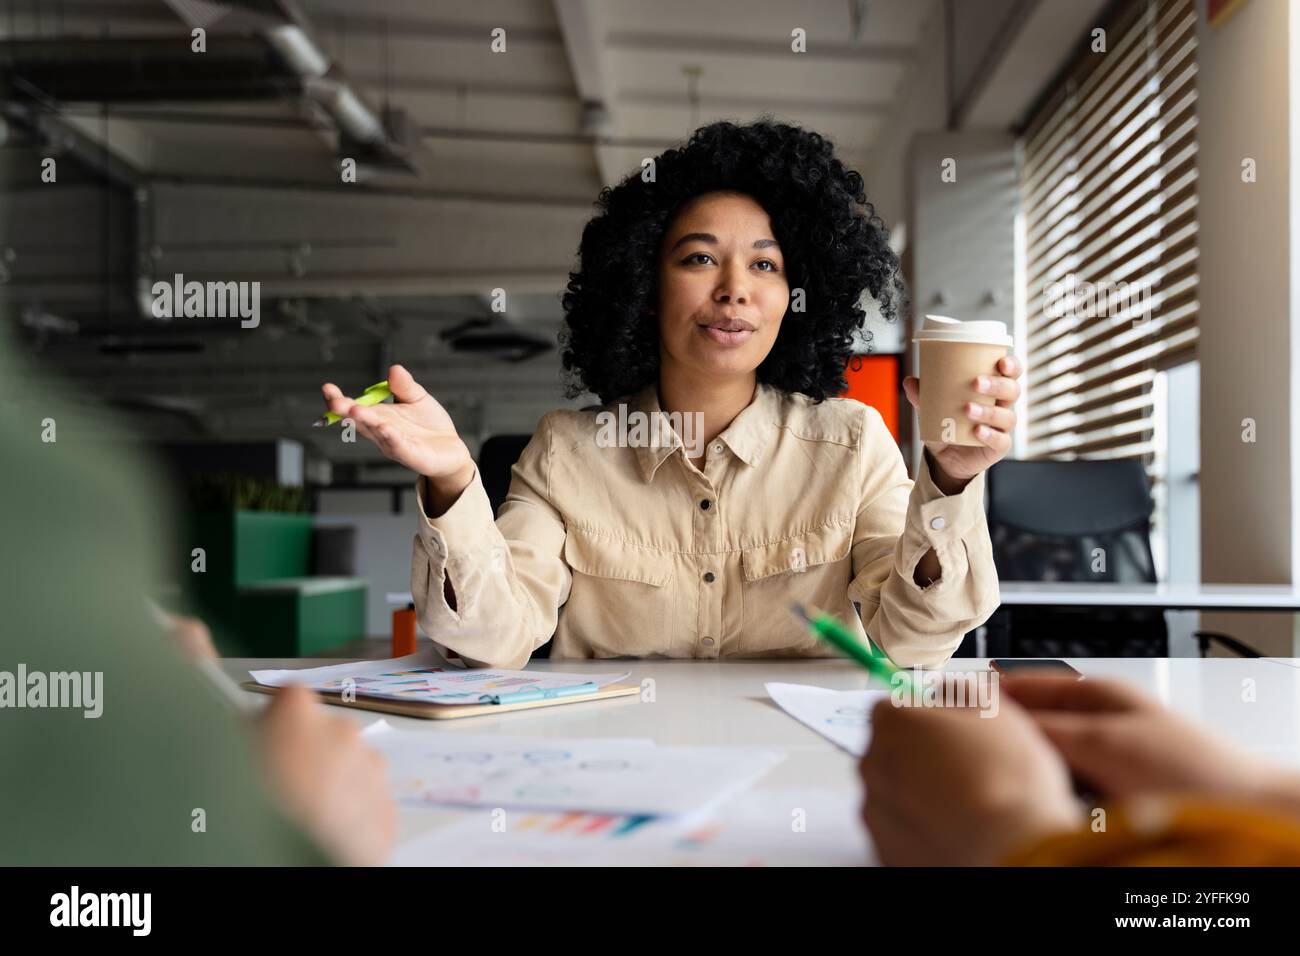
[[1073, 521], [1077, 521], [496, 457]]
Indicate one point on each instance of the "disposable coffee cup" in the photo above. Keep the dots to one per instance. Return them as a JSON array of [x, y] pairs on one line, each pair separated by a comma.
[[951, 355]]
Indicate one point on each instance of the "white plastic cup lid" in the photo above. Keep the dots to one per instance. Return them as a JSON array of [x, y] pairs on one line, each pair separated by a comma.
[[941, 328]]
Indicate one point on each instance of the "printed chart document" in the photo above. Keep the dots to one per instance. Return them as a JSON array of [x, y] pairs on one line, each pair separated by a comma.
[[778, 827], [548, 773], [426, 678], [841, 716]]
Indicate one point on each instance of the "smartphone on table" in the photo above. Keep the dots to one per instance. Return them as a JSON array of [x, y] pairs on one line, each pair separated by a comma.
[[1023, 665]]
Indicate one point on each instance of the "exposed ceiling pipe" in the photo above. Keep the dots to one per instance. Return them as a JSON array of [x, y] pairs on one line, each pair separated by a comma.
[[324, 83], [297, 50], [349, 113]]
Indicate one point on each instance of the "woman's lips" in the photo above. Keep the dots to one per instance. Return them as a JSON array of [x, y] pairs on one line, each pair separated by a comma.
[[728, 331]]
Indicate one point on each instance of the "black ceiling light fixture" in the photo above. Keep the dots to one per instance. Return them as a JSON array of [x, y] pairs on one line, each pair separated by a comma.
[[496, 338]]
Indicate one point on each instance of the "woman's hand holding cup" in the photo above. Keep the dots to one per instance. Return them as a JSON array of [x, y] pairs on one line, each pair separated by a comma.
[[967, 412], [993, 424]]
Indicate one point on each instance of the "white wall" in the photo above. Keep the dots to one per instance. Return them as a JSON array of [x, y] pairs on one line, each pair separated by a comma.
[[383, 545], [963, 232], [921, 106]]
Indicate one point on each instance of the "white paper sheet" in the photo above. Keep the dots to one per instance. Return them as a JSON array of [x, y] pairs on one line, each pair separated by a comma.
[[780, 827], [424, 677], [841, 716], [548, 773]]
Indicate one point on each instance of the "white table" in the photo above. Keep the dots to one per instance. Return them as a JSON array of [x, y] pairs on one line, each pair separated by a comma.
[[1173, 597], [723, 703], [1247, 598], [1186, 597]]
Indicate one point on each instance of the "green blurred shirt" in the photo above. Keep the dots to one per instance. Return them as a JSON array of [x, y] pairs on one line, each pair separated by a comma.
[[85, 530]]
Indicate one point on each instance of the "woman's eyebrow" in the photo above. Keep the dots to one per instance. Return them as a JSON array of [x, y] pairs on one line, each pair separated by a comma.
[[696, 237], [713, 240]]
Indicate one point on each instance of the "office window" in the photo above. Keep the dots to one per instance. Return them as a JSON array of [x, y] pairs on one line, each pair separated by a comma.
[[1108, 193]]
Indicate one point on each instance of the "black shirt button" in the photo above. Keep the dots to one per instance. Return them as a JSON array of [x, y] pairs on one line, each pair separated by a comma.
[[708, 576], [705, 504]]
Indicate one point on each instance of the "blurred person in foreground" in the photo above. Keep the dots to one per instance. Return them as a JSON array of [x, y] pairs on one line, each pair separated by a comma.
[[165, 773], [1001, 790]]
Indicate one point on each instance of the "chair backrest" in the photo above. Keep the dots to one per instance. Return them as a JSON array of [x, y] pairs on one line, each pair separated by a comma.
[[496, 457], [1071, 521]]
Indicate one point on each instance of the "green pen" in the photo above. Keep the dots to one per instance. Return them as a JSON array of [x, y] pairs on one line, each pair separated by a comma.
[[838, 636], [372, 396]]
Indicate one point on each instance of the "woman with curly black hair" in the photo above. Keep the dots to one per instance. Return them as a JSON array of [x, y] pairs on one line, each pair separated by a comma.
[[713, 313]]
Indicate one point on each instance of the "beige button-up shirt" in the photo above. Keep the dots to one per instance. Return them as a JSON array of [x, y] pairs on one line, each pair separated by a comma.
[[634, 551]]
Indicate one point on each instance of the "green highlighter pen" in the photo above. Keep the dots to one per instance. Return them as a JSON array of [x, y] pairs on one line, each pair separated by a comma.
[[372, 396], [838, 636]]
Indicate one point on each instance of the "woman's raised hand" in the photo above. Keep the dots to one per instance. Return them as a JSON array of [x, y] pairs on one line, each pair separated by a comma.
[[414, 430]]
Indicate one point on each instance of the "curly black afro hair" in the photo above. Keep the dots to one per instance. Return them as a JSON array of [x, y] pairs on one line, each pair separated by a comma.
[[833, 244]]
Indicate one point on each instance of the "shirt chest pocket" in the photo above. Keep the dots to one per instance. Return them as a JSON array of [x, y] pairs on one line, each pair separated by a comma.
[[620, 602], [813, 568]]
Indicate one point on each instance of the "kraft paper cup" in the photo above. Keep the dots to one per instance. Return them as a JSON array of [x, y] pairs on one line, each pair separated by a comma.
[[951, 355]]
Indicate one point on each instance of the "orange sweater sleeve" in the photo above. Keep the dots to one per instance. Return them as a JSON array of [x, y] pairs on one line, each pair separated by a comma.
[[1173, 831]]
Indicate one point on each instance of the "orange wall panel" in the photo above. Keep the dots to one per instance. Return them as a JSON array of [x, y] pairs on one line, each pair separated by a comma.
[[875, 382]]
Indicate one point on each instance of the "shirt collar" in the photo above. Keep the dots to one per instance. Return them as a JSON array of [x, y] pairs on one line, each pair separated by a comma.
[[748, 435]]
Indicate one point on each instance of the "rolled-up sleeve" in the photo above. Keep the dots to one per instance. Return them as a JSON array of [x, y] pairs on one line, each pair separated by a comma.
[[507, 576], [914, 625]]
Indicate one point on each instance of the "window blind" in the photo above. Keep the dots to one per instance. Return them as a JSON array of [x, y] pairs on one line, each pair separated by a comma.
[[1108, 196]]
